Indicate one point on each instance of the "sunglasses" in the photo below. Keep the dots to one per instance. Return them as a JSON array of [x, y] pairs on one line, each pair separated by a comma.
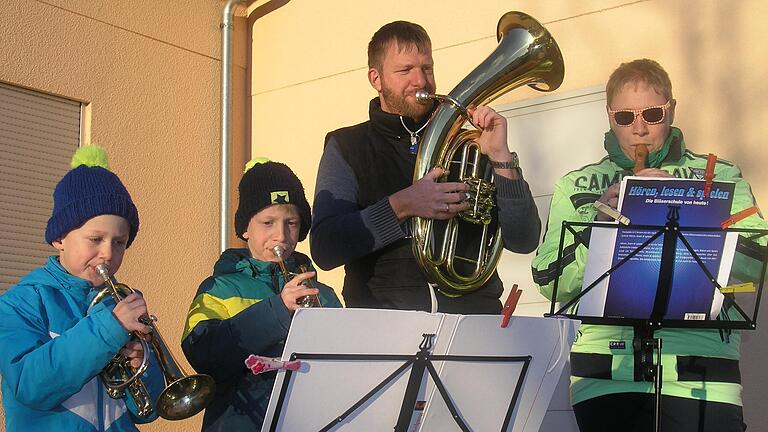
[[651, 115]]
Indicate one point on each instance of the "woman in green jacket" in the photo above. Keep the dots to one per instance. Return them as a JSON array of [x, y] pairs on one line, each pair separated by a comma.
[[701, 382]]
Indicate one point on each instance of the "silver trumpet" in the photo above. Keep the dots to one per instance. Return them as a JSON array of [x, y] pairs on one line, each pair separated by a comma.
[[184, 395], [306, 301]]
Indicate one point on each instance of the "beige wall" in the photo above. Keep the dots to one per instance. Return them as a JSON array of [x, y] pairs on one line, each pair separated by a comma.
[[150, 72], [309, 76]]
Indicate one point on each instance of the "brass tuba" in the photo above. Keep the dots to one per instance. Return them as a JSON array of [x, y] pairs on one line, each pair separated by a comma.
[[184, 395], [461, 254]]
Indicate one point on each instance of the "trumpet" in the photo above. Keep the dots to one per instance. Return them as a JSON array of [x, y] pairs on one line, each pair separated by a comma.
[[183, 396], [306, 301]]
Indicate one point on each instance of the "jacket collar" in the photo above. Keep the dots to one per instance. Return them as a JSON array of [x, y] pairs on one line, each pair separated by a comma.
[[239, 260], [671, 153], [389, 124], [676, 150], [66, 281]]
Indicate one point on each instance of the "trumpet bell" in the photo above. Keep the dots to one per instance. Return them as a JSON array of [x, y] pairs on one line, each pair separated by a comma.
[[186, 397]]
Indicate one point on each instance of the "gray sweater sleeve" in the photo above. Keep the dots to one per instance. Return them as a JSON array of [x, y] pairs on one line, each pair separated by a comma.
[[341, 230], [518, 215]]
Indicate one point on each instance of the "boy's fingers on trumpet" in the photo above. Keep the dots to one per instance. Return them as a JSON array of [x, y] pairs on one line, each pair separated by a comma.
[[129, 312], [134, 352], [301, 279], [291, 294], [139, 326], [146, 336]]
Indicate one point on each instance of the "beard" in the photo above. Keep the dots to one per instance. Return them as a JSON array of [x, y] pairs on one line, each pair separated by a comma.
[[402, 106]]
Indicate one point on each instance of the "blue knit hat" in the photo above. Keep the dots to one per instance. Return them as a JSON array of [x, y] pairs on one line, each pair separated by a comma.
[[87, 191]]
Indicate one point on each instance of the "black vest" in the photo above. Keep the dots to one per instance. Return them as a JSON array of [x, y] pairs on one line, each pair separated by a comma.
[[378, 151]]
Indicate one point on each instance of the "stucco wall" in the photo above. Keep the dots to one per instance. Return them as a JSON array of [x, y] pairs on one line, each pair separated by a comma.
[[150, 72], [310, 77]]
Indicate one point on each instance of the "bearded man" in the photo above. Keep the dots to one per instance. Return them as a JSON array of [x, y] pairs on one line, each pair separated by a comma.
[[364, 196]]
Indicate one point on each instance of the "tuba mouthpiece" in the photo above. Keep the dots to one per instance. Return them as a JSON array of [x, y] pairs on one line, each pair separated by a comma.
[[423, 96]]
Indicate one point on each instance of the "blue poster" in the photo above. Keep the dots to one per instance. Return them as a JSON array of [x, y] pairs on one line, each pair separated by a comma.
[[645, 201]]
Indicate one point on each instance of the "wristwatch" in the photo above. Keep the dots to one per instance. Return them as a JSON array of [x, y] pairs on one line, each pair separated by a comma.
[[514, 163]]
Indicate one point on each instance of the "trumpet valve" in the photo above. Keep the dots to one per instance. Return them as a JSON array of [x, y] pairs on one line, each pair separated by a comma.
[[310, 301]]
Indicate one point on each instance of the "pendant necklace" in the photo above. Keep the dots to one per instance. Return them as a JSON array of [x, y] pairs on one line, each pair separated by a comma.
[[414, 136]]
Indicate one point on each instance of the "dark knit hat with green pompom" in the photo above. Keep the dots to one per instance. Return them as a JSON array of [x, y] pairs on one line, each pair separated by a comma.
[[88, 190], [266, 183]]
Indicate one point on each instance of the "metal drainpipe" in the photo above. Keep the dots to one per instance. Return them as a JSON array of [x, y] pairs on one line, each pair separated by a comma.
[[227, 23]]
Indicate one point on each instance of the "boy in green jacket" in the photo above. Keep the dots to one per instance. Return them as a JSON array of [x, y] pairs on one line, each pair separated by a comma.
[[246, 306]]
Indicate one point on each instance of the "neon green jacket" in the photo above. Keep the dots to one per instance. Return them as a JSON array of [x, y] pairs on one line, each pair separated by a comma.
[[603, 360]]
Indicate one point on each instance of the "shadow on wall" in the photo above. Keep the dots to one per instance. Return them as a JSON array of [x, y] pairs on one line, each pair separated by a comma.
[[265, 9], [710, 46], [716, 60]]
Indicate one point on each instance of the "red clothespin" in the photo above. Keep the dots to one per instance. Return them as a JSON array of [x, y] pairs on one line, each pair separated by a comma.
[[738, 216], [709, 174], [510, 305]]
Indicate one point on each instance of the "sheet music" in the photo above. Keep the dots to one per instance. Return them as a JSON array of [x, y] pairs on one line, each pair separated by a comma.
[[629, 292]]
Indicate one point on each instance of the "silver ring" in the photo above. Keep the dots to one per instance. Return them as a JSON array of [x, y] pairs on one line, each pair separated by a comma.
[[447, 208]]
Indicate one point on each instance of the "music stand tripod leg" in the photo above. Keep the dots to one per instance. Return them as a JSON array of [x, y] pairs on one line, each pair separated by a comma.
[[657, 384]]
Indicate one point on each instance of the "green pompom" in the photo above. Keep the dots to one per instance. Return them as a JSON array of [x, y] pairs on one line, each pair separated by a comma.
[[91, 156], [254, 161]]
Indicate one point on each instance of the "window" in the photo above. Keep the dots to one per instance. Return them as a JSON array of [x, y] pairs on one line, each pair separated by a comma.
[[38, 135]]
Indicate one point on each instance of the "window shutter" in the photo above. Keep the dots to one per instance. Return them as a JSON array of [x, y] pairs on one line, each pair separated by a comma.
[[38, 135]]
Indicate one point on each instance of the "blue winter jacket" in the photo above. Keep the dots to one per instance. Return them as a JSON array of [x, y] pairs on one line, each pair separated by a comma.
[[53, 349]]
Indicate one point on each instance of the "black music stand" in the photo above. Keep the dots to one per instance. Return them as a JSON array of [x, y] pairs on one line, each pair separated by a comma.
[[645, 343]]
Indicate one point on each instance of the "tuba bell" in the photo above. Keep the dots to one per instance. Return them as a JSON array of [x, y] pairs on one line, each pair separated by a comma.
[[461, 254], [183, 396]]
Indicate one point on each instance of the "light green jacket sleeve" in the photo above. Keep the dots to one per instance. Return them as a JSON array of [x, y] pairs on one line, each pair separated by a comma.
[[544, 265]]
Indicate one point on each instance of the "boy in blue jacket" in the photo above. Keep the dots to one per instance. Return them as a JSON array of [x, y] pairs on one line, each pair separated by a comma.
[[53, 344], [246, 306]]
